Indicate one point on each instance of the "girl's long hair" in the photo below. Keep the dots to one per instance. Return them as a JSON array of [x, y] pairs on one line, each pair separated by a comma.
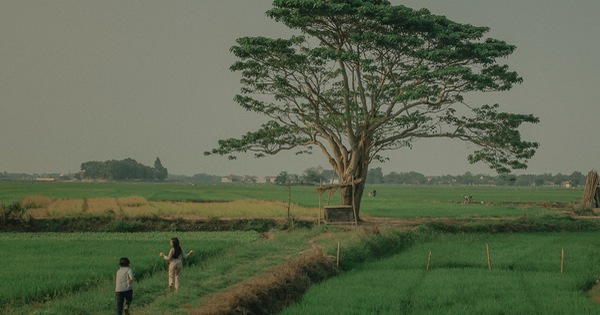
[[176, 246]]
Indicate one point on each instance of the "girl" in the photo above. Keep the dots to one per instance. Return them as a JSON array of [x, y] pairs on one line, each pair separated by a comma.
[[123, 288], [176, 254]]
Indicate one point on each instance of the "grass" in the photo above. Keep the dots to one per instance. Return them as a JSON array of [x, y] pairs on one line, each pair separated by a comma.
[[488, 201], [226, 200], [16, 191], [379, 266], [383, 270], [525, 278], [135, 207], [44, 267], [73, 273]]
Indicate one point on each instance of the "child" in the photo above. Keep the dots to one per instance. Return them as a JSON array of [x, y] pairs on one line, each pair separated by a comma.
[[124, 290], [175, 265]]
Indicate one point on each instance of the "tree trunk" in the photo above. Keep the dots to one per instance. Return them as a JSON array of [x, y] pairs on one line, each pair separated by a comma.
[[352, 194], [353, 176], [350, 197]]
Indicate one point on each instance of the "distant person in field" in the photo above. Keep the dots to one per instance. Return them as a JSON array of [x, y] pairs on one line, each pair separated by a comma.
[[175, 257], [124, 289]]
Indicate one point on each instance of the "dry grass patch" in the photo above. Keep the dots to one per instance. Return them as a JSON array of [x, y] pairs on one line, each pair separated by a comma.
[[38, 213], [132, 201], [102, 206], [139, 211], [36, 202], [61, 207], [37, 206], [135, 206], [234, 209]]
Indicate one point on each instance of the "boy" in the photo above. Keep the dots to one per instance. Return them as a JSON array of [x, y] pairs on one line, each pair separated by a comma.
[[124, 290]]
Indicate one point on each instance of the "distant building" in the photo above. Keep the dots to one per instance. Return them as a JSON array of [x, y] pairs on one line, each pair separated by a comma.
[[44, 179], [266, 180], [229, 179], [248, 179]]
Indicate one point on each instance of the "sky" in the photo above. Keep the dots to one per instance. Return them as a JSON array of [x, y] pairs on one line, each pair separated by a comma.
[[91, 80]]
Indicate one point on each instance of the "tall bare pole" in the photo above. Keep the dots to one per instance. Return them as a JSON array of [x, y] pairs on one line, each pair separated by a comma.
[[354, 202], [320, 194], [289, 187]]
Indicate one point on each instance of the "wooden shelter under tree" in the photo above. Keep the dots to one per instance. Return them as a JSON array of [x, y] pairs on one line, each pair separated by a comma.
[[341, 213]]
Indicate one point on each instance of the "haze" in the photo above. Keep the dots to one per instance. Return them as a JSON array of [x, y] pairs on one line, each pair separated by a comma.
[[100, 80]]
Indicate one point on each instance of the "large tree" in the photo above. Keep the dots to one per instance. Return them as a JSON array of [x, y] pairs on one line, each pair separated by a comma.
[[160, 172], [362, 77]]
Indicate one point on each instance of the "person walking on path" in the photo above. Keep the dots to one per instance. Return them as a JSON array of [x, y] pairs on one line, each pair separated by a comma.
[[175, 257], [124, 288]]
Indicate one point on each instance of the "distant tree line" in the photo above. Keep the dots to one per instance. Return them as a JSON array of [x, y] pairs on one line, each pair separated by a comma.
[[316, 175], [127, 169], [196, 178], [575, 179]]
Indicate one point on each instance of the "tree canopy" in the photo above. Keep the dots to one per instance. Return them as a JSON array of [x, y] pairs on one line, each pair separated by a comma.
[[363, 77], [127, 169], [160, 172]]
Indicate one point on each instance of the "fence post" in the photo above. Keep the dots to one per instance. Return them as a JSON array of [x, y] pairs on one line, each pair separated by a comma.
[[289, 205], [354, 202], [428, 261], [338, 256], [320, 193], [562, 261], [487, 246]]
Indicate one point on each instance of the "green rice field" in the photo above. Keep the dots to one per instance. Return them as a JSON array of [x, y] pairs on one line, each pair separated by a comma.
[[392, 201], [73, 273], [43, 267], [525, 278], [380, 273]]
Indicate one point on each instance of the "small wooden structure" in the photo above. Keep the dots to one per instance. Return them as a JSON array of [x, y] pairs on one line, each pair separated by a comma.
[[339, 214], [591, 193]]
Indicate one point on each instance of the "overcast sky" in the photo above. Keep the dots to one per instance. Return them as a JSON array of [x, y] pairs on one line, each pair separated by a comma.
[[101, 80]]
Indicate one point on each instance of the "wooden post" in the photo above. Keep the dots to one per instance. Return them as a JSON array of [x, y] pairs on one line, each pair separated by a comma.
[[354, 203], [289, 187], [428, 261], [487, 246], [338, 256], [562, 261], [330, 192], [320, 194]]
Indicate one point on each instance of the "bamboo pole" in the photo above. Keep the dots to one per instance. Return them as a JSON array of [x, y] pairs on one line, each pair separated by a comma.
[[289, 187], [489, 260], [338, 256], [320, 194], [562, 261], [330, 194], [428, 261], [354, 202]]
